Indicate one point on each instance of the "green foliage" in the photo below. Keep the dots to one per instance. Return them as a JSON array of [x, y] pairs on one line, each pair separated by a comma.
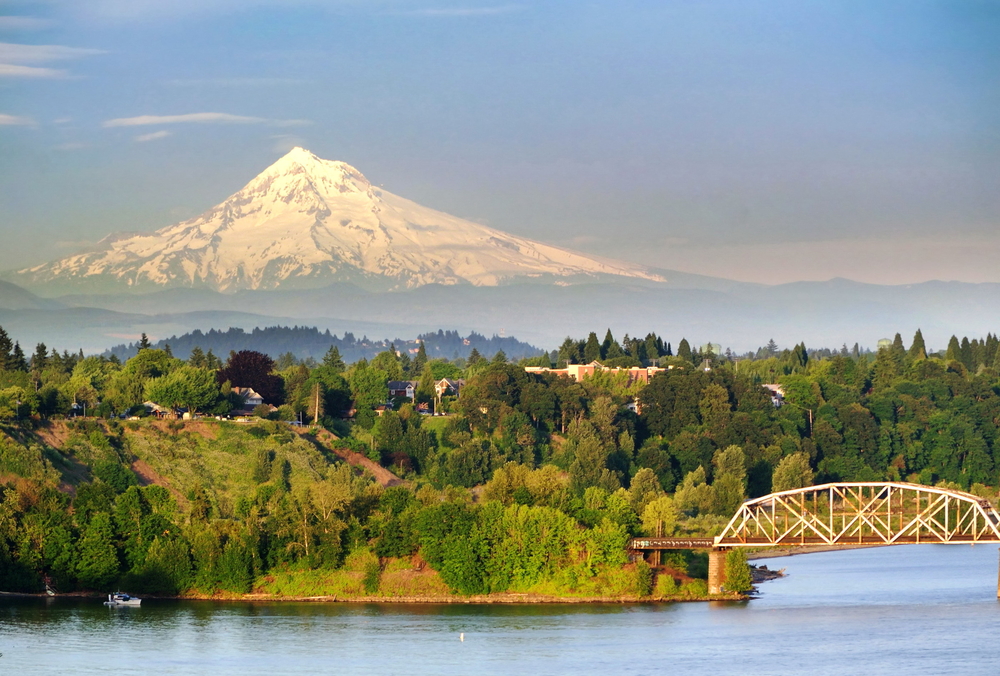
[[373, 575], [97, 566], [189, 387], [563, 472], [793, 471], [114, 474], [738, 577]]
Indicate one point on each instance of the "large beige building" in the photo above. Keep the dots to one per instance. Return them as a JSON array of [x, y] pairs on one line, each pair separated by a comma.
[[580, 371]]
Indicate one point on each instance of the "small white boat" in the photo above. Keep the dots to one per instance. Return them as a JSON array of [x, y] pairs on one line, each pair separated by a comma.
[[122, 599]]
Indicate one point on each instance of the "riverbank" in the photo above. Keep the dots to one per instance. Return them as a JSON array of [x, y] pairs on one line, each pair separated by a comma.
[[488, 599]]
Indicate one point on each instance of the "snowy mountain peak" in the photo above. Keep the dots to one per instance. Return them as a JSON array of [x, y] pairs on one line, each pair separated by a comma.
[[300, 162], [306, 221]]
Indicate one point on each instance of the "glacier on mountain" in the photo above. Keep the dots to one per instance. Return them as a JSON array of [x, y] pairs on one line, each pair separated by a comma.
[[305, 221]]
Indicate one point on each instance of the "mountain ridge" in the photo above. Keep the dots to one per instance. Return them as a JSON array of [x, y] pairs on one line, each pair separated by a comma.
[[305, 222]]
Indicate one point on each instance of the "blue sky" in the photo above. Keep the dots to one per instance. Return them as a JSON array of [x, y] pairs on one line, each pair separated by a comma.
[[767, 141]]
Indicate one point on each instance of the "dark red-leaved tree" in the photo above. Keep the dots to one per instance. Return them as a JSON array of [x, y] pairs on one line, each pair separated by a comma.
[[248, 368]]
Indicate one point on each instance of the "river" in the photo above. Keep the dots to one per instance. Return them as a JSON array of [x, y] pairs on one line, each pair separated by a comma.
[[895, 610]]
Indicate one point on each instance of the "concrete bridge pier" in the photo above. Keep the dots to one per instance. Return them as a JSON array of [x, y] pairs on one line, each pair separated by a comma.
[[717, 570]]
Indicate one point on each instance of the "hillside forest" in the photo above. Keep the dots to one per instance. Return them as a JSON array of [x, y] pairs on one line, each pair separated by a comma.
[[531, 483]]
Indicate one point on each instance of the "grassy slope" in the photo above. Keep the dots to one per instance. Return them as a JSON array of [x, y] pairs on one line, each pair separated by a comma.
[[220, 457]]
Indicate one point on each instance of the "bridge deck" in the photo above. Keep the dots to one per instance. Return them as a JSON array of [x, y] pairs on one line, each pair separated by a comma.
[[650, 544], [864, 540]]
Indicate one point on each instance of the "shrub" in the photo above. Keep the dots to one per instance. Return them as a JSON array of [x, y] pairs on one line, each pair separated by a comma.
[[665, 586], [643, 579], [738, 577], [373, 574]]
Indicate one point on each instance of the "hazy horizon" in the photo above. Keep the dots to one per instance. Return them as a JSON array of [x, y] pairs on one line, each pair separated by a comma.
[[758, 141]]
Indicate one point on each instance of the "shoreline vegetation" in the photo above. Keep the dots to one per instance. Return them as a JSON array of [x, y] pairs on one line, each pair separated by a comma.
[[431, 480]]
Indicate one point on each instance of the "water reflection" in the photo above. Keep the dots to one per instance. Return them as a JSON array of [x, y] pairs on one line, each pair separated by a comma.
[[911, 610]]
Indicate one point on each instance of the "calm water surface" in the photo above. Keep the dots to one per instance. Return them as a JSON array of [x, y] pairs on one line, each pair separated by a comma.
[[897, 610]]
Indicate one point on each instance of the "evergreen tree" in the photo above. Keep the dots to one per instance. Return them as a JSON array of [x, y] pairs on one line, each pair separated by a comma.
[[212, 362], [500, 357], [771, 349], [143, 342], [667, 352], [991, 348], [966, 354], [6, 348], [474, 357], [652, 351], [800, 356], [592, 349], [614, 351], [954, 351], [897, 344], [17, 360], [420, 360], [978, 353], [333, 360], [568, 353], [166, 350], [609, 340], [197, 358], [684, 350], [40, 359], [918, 350]]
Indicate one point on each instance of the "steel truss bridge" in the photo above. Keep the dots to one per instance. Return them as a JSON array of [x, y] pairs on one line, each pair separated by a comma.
[[845, 514]]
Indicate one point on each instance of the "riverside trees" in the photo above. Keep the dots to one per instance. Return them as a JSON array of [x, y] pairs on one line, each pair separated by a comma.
[[525, 458]]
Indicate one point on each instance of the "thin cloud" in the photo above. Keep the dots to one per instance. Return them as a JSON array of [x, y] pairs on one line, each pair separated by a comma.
[[12, 70], [200, 118], [14, 53], [152, 137], [14, 59], [223, 118], [16, 121]]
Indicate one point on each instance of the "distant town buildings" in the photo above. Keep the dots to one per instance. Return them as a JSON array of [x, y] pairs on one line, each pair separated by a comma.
[[641, 374]]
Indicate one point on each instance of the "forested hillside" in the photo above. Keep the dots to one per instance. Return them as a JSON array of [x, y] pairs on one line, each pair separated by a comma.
[[309, 343], [532, 483]]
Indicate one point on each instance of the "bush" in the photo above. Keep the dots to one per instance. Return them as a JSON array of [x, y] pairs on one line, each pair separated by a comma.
[[694, 589], [738, 577], [115, 475], [373, 575], [665, 586], [643, 579]]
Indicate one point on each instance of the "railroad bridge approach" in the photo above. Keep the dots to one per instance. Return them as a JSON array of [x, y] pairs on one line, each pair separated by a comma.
[[838, 514]]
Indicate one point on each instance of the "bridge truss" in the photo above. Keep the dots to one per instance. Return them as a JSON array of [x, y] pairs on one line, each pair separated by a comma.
[[890, 513]]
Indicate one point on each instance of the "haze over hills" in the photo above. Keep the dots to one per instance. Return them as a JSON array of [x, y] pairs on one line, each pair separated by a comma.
[[306, 222], [312, 241]]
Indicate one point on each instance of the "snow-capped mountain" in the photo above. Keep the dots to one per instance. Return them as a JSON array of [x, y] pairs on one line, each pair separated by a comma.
[[305, 221]]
